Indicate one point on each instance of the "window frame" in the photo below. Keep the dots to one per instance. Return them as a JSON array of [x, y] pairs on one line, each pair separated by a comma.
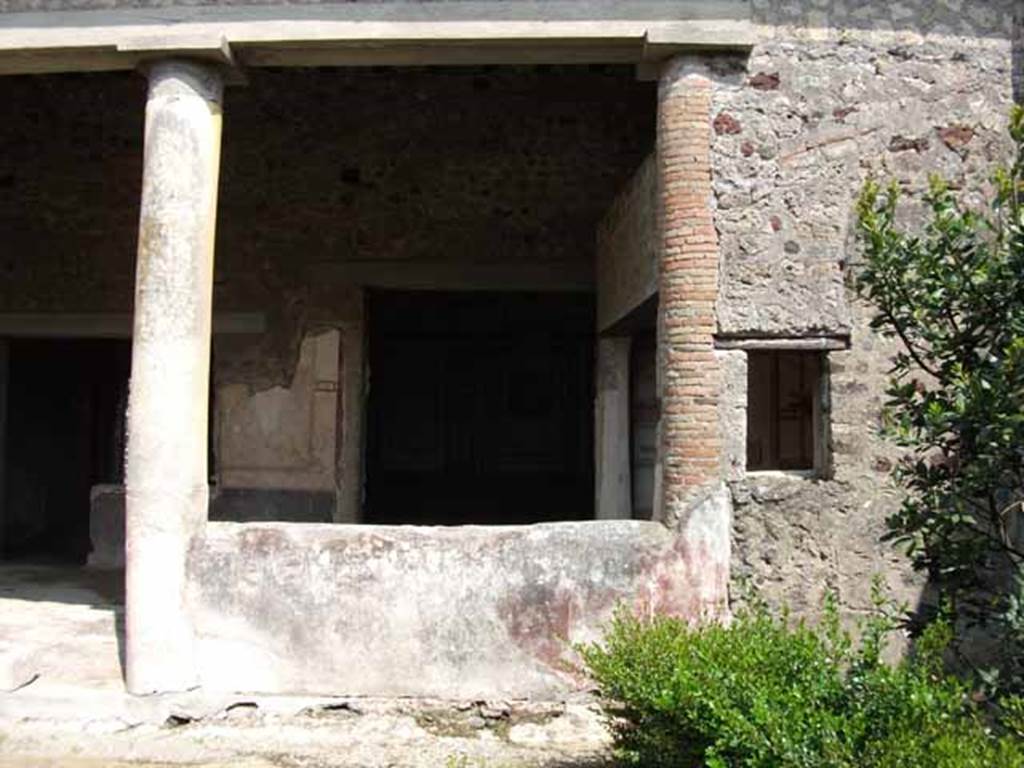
[[820, 415]]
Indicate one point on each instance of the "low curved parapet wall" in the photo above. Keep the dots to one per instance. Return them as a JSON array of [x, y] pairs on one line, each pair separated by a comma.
[[458, 613]]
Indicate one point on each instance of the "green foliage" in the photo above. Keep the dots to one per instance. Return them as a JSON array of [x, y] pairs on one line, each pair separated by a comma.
[[1012, 714], [762, 692], [952, 293]]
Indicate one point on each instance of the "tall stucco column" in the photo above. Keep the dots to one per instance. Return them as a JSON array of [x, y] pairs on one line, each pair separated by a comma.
[[166, 473], [692, 497], [613, 481]]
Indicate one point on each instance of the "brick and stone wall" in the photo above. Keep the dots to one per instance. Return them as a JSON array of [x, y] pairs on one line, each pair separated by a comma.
[[834, 93]]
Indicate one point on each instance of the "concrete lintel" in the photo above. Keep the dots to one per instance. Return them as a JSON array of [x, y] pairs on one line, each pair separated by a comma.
[[797, 343], [442, 53], [373, 34], [458, 276]]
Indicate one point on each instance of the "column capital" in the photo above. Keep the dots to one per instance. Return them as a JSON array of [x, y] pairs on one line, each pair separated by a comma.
[[690, 71], [176, 77], [204, 57]]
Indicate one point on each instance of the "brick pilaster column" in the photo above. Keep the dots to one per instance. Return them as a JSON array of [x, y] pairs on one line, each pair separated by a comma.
[[689, 377], [692, 497]]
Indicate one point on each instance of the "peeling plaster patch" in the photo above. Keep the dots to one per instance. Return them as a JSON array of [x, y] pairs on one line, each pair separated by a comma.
[[283, 437]]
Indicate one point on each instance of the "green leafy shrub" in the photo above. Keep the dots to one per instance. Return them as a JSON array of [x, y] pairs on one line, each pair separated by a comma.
[[950, 291], [764, 692]]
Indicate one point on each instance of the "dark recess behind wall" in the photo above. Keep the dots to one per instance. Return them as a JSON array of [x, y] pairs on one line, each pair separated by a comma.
[[480, 408], [65, 428]]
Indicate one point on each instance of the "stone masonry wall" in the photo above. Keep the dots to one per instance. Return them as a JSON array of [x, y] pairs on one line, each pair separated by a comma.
[[837, 92], [1018, 55]]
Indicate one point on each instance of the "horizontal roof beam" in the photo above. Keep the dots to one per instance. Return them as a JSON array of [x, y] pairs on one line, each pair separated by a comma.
[[360, 33]]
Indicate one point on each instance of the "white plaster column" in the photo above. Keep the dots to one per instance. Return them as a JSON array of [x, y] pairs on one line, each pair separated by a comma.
[[4, 366], [613, 479], [166, 472], [352, 410]]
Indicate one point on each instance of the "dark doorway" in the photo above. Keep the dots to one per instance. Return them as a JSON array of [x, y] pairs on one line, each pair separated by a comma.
[[65, 433], [480, 409]]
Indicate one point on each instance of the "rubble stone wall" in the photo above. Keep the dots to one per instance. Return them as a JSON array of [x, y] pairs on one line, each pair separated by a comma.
[[837, 92]]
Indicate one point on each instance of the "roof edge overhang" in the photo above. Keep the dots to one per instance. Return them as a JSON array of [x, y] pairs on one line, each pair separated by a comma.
[[375, 34]]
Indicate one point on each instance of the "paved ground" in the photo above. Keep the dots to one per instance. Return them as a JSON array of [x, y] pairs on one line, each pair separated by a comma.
[[369, 739], [59, 641]]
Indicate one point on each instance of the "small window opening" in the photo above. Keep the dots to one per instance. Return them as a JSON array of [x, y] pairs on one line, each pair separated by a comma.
[[785, 411]]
